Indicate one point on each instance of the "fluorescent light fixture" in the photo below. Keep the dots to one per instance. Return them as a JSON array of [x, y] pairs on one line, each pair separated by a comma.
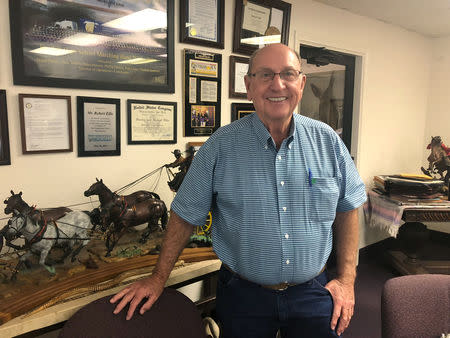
[[144, 20], [137, 61], [52, 51], [85, 39], [262, 40]]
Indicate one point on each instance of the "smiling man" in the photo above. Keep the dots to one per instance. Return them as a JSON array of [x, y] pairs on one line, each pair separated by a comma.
[[277, 184]]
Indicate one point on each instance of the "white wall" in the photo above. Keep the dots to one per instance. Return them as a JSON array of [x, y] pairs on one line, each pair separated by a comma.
[[396, 74]]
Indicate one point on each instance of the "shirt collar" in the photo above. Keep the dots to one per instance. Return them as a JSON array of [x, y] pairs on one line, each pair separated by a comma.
[[263, 134]]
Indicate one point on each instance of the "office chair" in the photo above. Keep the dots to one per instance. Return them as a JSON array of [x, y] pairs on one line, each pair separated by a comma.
[[173, 315], [416, 306]]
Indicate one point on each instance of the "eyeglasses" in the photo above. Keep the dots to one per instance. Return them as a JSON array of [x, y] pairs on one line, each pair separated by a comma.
[[266, 75]]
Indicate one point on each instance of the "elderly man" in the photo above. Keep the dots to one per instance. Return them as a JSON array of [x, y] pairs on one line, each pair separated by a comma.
[[277, 184]]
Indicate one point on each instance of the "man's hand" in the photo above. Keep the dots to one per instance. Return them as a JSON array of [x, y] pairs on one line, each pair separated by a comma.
[[343, 303], [150, 288]]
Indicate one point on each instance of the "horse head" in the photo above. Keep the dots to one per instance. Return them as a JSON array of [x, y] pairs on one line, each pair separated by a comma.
[[95, 188], [15, 201], [14, 226], [436, 140]]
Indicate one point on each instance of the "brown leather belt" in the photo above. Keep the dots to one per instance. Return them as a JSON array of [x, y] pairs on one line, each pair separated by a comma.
[[276, 287]]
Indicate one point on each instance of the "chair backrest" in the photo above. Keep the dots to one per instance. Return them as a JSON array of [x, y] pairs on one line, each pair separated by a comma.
[[416, 306], [172, 315]]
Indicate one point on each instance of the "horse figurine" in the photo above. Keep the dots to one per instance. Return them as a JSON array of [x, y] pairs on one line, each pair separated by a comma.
[[15, 202], [439, 159], [127, 211], [68, 231]]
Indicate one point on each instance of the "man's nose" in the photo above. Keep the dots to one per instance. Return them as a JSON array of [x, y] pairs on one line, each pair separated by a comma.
[[277, 81]]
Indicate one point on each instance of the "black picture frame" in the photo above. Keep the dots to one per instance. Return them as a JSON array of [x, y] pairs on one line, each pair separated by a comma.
[[202, 92], [45, 123], [266, 14], [101, 128], [235, 76], [5, 155], [98, 52], [210, 24], [157, 122], [239, 110]]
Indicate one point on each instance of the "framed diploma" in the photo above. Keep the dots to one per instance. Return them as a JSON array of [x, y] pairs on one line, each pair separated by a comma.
[[45, 123], [93, 44], [240, 110], [202, 94], [260, 22], [238, 69], [5, 158], [151, 122], [98, 126], [202, 22]]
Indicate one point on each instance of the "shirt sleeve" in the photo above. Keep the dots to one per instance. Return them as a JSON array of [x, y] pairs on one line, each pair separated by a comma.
[[193, 199]]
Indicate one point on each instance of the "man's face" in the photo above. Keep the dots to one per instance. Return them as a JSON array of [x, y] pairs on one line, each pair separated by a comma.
[[276, 99]]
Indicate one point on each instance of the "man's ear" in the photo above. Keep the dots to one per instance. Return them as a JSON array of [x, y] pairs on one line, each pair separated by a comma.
[[247, 87]]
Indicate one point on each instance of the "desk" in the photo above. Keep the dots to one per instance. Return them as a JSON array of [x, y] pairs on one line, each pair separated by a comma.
[[391, 215], [61, 312]]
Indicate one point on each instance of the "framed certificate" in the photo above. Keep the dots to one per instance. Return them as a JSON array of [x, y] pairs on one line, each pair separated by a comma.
[[202, 22], [93, 44], [45, 123], [238, 69], [151, 122], [5, 158], [98, 126], [260, 22]]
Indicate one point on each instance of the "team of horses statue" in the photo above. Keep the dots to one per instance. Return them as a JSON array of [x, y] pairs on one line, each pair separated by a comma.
[[71, 229]]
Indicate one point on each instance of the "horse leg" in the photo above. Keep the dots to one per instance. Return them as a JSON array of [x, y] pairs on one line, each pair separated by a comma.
[[78, 249], [22, 262], [111, 242], [43, 256]]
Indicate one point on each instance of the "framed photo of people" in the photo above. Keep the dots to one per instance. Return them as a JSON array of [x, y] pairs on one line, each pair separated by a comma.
[[202, 22], [91, 44], [240, 110], [5, 156], [260, 22], [98, 121], [238, 69], [45, 123], [151, 122], [202, 94]]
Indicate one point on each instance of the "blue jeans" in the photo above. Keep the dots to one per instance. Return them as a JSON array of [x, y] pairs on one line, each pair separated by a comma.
[[246, 309]]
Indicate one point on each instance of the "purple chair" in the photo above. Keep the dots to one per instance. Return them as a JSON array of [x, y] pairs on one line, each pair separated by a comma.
[[416, 306], [173, 315]]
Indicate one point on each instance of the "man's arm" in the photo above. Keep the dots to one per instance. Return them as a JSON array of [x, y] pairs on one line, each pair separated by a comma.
[[346, 229], [176, 237]]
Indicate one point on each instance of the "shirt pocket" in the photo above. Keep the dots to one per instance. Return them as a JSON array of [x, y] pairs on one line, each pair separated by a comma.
[[324, 195]]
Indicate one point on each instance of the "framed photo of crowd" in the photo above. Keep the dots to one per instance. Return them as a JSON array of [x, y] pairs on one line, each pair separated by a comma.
[[5, 157], [202, 83], [91, 44]]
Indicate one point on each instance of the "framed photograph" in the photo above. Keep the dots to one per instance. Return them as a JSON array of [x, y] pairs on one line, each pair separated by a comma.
[[45, 123], [151, 122], [260, 22], [202, 22], [98, 126], [238, 69], [196, 145], [93, 44], [202, 96], [5, 157], [239, 110]]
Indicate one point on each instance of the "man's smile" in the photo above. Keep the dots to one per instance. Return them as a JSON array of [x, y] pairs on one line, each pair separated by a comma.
[[277, 99]]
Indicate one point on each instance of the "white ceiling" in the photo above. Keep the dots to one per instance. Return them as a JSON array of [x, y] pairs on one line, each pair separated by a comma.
[[430, 18]]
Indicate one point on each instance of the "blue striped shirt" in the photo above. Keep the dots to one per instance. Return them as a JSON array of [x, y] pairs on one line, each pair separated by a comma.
[[272, 210]]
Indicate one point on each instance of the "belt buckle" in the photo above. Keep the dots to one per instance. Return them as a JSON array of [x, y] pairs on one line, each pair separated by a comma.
[[283, 286]]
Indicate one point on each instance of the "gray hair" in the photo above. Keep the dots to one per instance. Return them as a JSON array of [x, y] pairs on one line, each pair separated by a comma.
[[256, 52]]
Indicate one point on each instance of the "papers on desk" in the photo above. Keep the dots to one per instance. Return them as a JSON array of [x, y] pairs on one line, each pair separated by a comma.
[[409, 186]]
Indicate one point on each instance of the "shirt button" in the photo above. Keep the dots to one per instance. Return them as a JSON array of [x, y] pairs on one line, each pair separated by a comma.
[[290, 146], [265, 147], [282, 183], [284, 208], [286, 236], [279, 157], [287, 261]]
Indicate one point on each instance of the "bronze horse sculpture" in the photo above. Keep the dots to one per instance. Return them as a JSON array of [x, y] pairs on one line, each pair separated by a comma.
[[439, 159], [123, 212]]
